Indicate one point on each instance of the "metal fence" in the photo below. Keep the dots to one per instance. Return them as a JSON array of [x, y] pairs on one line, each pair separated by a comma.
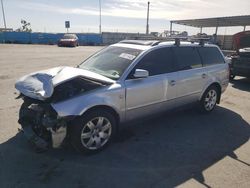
[[46, 38], [88, 39]]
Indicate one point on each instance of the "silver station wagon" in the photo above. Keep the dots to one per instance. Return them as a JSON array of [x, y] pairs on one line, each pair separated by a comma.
[[121, 83]]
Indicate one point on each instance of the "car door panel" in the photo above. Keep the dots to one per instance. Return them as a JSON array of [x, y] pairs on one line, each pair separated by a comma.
[[190, 84], [170, 92], [144, 96], [192, 76], [150, 95]]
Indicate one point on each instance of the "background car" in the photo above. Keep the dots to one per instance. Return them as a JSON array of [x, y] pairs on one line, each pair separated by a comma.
[[240, 61], [69, 40]]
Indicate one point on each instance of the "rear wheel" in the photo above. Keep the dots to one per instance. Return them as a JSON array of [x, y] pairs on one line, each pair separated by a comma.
[[209, 99], [93, 131]]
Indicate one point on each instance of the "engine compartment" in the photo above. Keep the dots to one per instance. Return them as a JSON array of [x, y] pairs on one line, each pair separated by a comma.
[[73, 87]]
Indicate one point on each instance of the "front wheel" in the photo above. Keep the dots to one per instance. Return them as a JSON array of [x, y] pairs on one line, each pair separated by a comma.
[[209, 99], [93, 131]]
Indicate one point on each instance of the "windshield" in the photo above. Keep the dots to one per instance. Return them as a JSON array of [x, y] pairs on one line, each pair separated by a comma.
[[111, 62], [69, 37]]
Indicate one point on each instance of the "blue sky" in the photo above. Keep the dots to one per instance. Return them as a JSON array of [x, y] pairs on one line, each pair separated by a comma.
[[118, 15]]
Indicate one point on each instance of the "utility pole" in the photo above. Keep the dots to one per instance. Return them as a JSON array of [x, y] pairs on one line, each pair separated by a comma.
[[3, 15], [147, 26], [100, 26]]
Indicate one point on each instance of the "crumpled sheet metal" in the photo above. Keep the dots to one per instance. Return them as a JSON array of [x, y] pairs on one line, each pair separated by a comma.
[[38, 85]]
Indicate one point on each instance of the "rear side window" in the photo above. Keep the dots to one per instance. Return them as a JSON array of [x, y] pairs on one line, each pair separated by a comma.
[[187, 58], [210, 56], [159, 61]]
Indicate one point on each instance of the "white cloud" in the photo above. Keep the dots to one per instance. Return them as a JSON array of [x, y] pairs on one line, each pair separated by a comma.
[[124, 15], [159, 9]]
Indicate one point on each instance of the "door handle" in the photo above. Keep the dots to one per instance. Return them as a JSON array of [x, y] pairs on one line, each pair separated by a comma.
[[204, 75], [172, 82]]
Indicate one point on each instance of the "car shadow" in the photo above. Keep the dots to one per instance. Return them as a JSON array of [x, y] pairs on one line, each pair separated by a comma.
[[162, 152], [241, 83]]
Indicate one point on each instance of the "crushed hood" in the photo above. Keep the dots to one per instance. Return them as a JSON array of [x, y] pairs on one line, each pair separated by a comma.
[[40, 85]]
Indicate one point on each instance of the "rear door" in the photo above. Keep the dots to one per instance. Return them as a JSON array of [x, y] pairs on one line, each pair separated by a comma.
[[215, 66], [192, 76], [146, 96]]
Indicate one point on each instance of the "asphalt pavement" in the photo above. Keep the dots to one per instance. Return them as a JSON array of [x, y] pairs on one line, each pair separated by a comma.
[[177, 149]]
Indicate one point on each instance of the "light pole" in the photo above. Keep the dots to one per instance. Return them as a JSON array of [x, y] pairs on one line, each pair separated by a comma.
[[3, 15], [147, 26], [100, 25]]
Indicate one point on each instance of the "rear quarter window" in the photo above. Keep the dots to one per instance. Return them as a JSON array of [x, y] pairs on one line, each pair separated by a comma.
[[210, 56]]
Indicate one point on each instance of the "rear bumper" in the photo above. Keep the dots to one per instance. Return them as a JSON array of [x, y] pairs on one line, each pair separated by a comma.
[[67, 44], [238, 71], [240, 66], [224, 86]]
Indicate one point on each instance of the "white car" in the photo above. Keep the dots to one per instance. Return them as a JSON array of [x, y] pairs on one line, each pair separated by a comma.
[[121, 83]]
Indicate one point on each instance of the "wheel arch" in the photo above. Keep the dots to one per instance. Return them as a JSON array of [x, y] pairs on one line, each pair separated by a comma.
[[218, 86], [106, 108]]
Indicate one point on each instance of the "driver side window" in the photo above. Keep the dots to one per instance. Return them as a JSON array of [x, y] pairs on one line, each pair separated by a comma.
[[159, 61]]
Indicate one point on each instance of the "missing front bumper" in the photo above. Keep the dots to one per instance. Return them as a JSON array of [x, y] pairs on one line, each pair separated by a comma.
[[41, 144], [41, 126]]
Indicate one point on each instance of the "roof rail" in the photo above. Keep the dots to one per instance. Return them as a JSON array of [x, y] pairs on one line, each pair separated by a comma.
[[141, 42], [155, 42]]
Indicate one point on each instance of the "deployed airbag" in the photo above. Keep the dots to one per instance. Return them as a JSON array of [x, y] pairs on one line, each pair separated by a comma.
[[37, 86]]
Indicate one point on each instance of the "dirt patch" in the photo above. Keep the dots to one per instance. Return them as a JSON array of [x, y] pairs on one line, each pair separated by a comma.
[[4, 77]]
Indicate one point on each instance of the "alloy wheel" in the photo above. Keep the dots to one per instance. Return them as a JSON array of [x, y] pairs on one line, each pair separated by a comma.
[[210, 100], [96, 133]]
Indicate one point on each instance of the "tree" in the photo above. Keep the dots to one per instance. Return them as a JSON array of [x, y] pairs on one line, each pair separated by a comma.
[[26, 27]]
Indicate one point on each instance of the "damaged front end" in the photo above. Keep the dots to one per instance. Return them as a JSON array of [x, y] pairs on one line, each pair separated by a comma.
[[40, 123]]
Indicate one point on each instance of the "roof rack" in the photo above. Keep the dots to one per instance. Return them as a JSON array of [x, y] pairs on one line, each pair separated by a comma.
[[200, 40], [141, 42], [178, 40]]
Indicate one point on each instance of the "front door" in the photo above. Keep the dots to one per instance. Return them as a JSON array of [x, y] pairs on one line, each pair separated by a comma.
[[146, 96]]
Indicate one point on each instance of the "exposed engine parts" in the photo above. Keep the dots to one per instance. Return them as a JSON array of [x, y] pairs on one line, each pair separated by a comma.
[[40, 122], [41, 125]]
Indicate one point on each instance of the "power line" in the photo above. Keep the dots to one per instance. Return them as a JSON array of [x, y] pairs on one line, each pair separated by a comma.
[[147, 26], [100, 8], [3, 15]]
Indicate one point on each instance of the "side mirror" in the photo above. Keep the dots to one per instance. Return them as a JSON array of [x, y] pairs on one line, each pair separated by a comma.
[[140, 73]]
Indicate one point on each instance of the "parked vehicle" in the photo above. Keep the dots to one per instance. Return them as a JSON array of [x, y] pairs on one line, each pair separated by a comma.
[[69, 40], [240, 61], [121, 83]]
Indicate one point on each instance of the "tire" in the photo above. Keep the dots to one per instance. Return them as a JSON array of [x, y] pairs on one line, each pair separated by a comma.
[[209, 99], [93, 131]]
